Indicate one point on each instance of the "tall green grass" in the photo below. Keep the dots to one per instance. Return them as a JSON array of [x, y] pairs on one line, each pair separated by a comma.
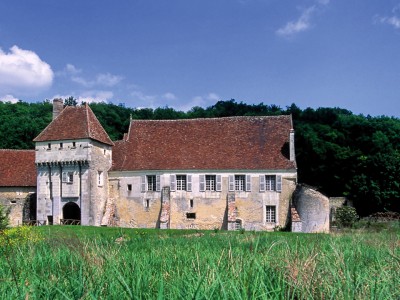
[[111, 263]]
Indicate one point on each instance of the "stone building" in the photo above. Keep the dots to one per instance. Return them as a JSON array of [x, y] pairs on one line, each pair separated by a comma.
[[18, 184], [225, 173]]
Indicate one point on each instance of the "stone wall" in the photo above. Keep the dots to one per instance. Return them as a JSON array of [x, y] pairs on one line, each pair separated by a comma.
[[15, 200]]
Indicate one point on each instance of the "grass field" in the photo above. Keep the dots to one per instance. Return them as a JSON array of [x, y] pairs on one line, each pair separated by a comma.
[[73, 262]]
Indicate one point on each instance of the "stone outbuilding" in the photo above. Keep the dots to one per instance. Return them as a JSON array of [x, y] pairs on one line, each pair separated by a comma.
[[18, 184]]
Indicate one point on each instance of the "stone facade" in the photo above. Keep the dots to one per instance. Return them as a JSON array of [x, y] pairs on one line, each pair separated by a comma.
[[18, 202], [72, 171], [199, 208]]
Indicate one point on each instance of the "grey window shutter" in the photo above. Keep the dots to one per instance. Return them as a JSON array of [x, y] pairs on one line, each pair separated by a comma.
[[158, 183], [218, 186], [172, 182], [64, 177], [248, 183], [262, 183], [143, 183], [189, 183], [279, 183], [231, 183], [202, 184]]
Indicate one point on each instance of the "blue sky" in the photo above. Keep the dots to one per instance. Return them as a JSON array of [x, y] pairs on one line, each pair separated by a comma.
[[185, 53]]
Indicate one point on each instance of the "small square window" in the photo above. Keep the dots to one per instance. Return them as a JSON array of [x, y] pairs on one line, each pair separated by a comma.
[[191, 216], [129, 187]]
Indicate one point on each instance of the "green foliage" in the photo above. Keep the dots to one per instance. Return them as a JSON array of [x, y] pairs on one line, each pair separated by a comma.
[[346, 216], [4, 220]]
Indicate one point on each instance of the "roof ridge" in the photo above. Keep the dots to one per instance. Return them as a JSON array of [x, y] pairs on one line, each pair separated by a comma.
[[213, 118]]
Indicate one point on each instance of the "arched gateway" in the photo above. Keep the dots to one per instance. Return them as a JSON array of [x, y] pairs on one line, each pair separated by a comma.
[[71, 214]]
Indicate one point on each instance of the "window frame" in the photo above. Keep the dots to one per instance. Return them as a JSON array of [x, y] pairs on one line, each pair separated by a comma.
[[270, 214]]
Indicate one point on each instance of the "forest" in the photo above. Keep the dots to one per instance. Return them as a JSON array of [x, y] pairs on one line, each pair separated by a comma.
[[337, 152]]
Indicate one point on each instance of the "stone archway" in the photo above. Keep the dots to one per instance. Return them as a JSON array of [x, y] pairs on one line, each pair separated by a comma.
[[71, 214]]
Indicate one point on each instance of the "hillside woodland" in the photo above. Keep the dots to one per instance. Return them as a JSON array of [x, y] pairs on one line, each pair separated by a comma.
[[337, 152]]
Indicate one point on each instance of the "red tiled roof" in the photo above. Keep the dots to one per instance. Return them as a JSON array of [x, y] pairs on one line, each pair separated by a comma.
[[74, 122], [17, 168], [233, 143]]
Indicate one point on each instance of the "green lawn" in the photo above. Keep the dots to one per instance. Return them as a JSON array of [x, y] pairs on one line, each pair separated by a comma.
[[76, 262]]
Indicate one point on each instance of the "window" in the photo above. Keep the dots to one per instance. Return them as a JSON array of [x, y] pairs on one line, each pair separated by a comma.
[[181, 182], [270, 214], [191, 216], [68, 177], [48, 146], [73, 144], [129, 187], [270, 182], [191, 203], [61, 145], [210, 182], [240, 182], [100, 178], [147, 203], [151, 182]]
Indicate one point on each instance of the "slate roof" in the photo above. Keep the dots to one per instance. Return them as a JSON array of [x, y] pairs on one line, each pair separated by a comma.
[[232, 143], [75, 122], [17, 168]]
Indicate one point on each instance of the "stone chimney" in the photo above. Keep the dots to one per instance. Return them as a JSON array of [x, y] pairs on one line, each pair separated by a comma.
[[291, 146], [58, 106]]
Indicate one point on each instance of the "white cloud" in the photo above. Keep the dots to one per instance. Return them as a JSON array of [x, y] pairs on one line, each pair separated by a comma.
[[102, 79], [169, 96], [201, 101], [71, 69], [303, 23], [22, 71], [393, 20], [9, 98], [89, 96]]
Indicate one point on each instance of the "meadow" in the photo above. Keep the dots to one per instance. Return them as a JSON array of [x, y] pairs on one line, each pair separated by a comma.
[[76, 262]]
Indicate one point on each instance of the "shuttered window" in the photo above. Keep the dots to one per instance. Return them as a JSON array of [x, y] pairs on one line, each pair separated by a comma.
[[202, 183], [218, 186], [172, 182], [262, 183]]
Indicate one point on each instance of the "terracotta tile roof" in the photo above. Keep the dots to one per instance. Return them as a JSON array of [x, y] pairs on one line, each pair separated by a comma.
[[17, 168], [233, 143], [74, 122]]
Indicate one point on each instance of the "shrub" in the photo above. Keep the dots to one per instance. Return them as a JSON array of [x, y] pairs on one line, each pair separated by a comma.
[[3, 218], [346, 216]]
